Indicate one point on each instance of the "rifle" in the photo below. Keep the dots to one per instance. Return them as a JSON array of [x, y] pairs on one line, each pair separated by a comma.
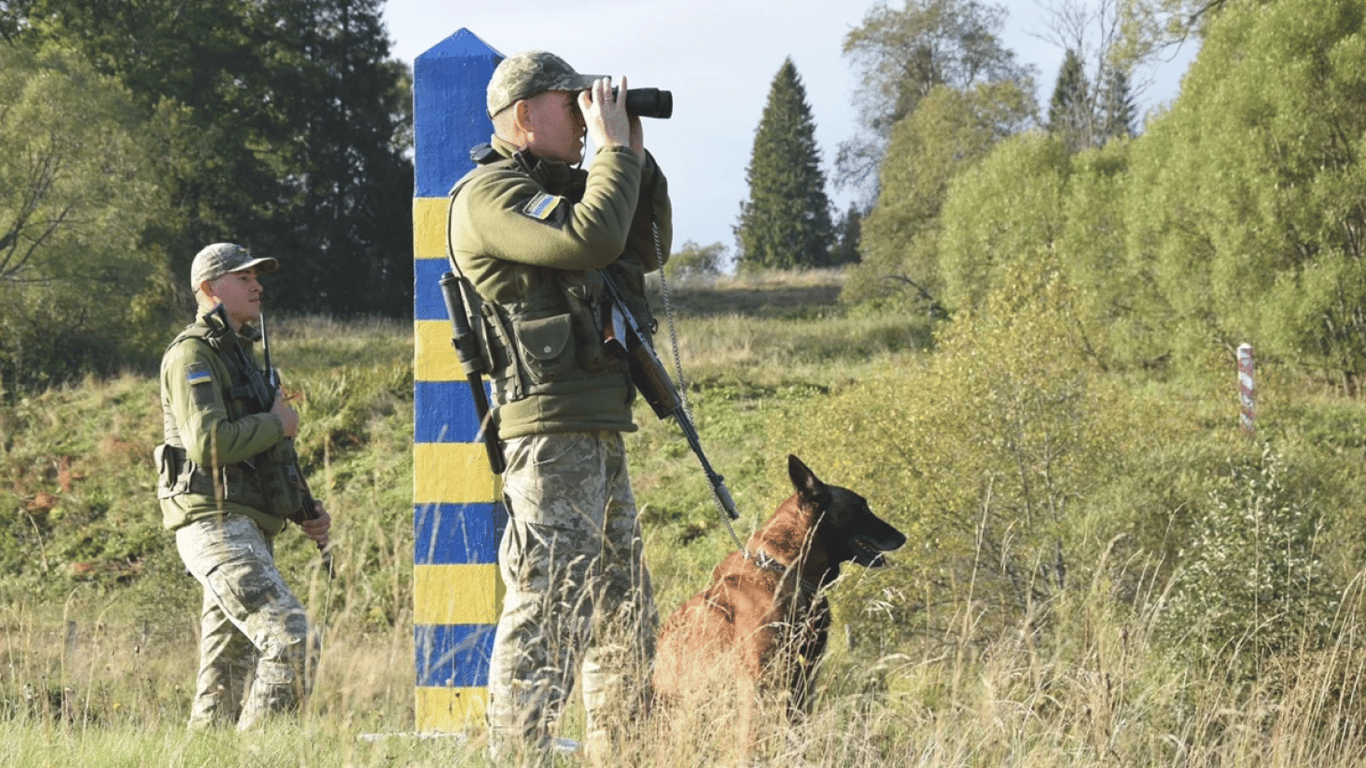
[[623, 336], [293, 473], [472, 363], [262, 394]]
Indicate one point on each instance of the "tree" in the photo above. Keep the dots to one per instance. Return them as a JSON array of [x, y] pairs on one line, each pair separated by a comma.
[[1245, 211], [694, 262], [988, 234], [80, 289], [1071, 113], [1117, 112], [786, 221], [850, 232], [1094, 100], [902, 55], [948, 134], [300, 125], [1091, 250]]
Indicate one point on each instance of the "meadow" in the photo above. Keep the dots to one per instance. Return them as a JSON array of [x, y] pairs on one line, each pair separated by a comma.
[[938, 661]]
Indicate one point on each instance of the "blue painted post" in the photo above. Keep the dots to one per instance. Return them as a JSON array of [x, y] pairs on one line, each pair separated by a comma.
[[456, 589]]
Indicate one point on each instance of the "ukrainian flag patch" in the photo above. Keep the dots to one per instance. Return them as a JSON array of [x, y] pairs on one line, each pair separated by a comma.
[[198, 373], [541, 206]]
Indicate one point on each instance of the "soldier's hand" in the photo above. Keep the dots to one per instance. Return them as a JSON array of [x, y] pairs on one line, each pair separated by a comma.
[[605, 116], [288, 416], [319, 527]]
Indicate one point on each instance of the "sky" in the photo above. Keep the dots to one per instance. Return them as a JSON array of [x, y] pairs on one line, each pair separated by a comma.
[[718, 57]]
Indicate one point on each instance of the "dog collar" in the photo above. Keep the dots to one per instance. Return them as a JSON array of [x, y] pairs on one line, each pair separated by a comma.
[[767, 562]]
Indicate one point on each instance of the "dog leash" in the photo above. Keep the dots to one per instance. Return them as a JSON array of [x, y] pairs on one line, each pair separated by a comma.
[[678, 374]]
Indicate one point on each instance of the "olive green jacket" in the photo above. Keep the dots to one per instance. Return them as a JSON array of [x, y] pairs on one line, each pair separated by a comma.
[[514, 228], [214, 431]]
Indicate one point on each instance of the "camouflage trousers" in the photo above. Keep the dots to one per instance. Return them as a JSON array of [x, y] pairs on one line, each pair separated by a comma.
[[578, 595], [252, 625]]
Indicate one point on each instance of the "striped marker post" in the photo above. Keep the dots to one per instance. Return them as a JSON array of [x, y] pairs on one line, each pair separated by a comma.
[[1247, 391], [456, 517]]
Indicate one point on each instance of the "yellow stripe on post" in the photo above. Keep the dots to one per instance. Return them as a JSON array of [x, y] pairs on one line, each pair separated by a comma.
[[429, 227], [452, 473], [434, 358], [455, 594], [450, 709]]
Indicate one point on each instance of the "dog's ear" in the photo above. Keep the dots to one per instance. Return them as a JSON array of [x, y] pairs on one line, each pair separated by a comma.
[[809, 487]]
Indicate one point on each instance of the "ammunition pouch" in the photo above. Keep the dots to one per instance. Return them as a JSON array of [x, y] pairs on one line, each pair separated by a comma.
[[549, 341], [268, 483], [277, 470]]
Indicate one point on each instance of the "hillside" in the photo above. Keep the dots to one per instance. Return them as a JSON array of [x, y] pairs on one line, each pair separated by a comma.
[[1100, 562]]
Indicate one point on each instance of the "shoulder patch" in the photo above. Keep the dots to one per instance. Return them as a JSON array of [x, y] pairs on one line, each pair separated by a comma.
[[198, 373], [542, 206]]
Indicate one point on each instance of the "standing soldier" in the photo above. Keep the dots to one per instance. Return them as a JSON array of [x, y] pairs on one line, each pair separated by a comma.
[[221, 493], [535, 236]]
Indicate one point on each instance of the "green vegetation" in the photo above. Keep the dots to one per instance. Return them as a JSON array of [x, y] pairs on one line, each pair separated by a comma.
[[1101, 566], [78, 189], [1103, 569], [785, 223], [282, 125]]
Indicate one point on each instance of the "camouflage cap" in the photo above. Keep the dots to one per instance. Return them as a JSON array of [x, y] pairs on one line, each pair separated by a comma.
[[529, 73], [219, 259]]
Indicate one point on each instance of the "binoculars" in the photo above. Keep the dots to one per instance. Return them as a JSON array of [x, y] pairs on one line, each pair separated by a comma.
[[648, 102]]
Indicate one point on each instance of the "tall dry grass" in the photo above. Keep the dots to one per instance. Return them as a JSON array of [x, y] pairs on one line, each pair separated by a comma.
[[97, 672]]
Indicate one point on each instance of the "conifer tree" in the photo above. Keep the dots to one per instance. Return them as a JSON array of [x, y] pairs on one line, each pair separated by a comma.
[[1070, 115], [786, 221], [846, 250], [1117, 110]]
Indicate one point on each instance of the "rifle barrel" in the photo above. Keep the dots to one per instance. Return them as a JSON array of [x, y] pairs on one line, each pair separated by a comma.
[[717, 482]]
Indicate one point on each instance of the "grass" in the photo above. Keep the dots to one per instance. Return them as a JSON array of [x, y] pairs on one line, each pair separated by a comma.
[[98, 623]]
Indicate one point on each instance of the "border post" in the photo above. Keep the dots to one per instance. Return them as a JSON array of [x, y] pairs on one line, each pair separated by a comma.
[[456, 518], [1247, 391]]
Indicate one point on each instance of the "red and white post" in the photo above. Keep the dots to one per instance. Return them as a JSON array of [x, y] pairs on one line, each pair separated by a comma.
[[1247, 391]]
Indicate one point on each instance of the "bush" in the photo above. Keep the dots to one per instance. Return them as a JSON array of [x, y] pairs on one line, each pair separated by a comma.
[[1252, 582]]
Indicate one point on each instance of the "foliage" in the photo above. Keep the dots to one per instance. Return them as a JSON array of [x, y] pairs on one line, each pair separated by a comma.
[[296, 128], [949, 132], [987, 234], [901, 55], [694, 262], [1244, 211], [983, 457], [1151, 26], [1091, 248], [1117, 111], [1252, 581], [786, 221], [1070, 112], [79, 284], [849, 236]]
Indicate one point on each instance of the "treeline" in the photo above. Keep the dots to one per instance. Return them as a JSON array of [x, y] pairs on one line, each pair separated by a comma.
[[1237, 216], [132, 134], [1072, 440]]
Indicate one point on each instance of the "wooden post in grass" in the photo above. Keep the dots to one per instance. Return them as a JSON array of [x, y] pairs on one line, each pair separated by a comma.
[[1247, 391], [457, 519]]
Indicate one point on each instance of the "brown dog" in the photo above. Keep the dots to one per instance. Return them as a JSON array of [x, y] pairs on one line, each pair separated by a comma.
[[763, 621]]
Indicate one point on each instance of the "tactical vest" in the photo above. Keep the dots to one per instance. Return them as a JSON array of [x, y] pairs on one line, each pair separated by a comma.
[[263, 483], [550, 340]]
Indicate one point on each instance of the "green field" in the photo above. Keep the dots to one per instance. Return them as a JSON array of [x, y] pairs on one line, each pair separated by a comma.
[[1102, 569]]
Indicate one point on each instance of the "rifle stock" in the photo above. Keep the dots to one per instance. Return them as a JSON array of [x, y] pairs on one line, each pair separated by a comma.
[[656, 387]]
